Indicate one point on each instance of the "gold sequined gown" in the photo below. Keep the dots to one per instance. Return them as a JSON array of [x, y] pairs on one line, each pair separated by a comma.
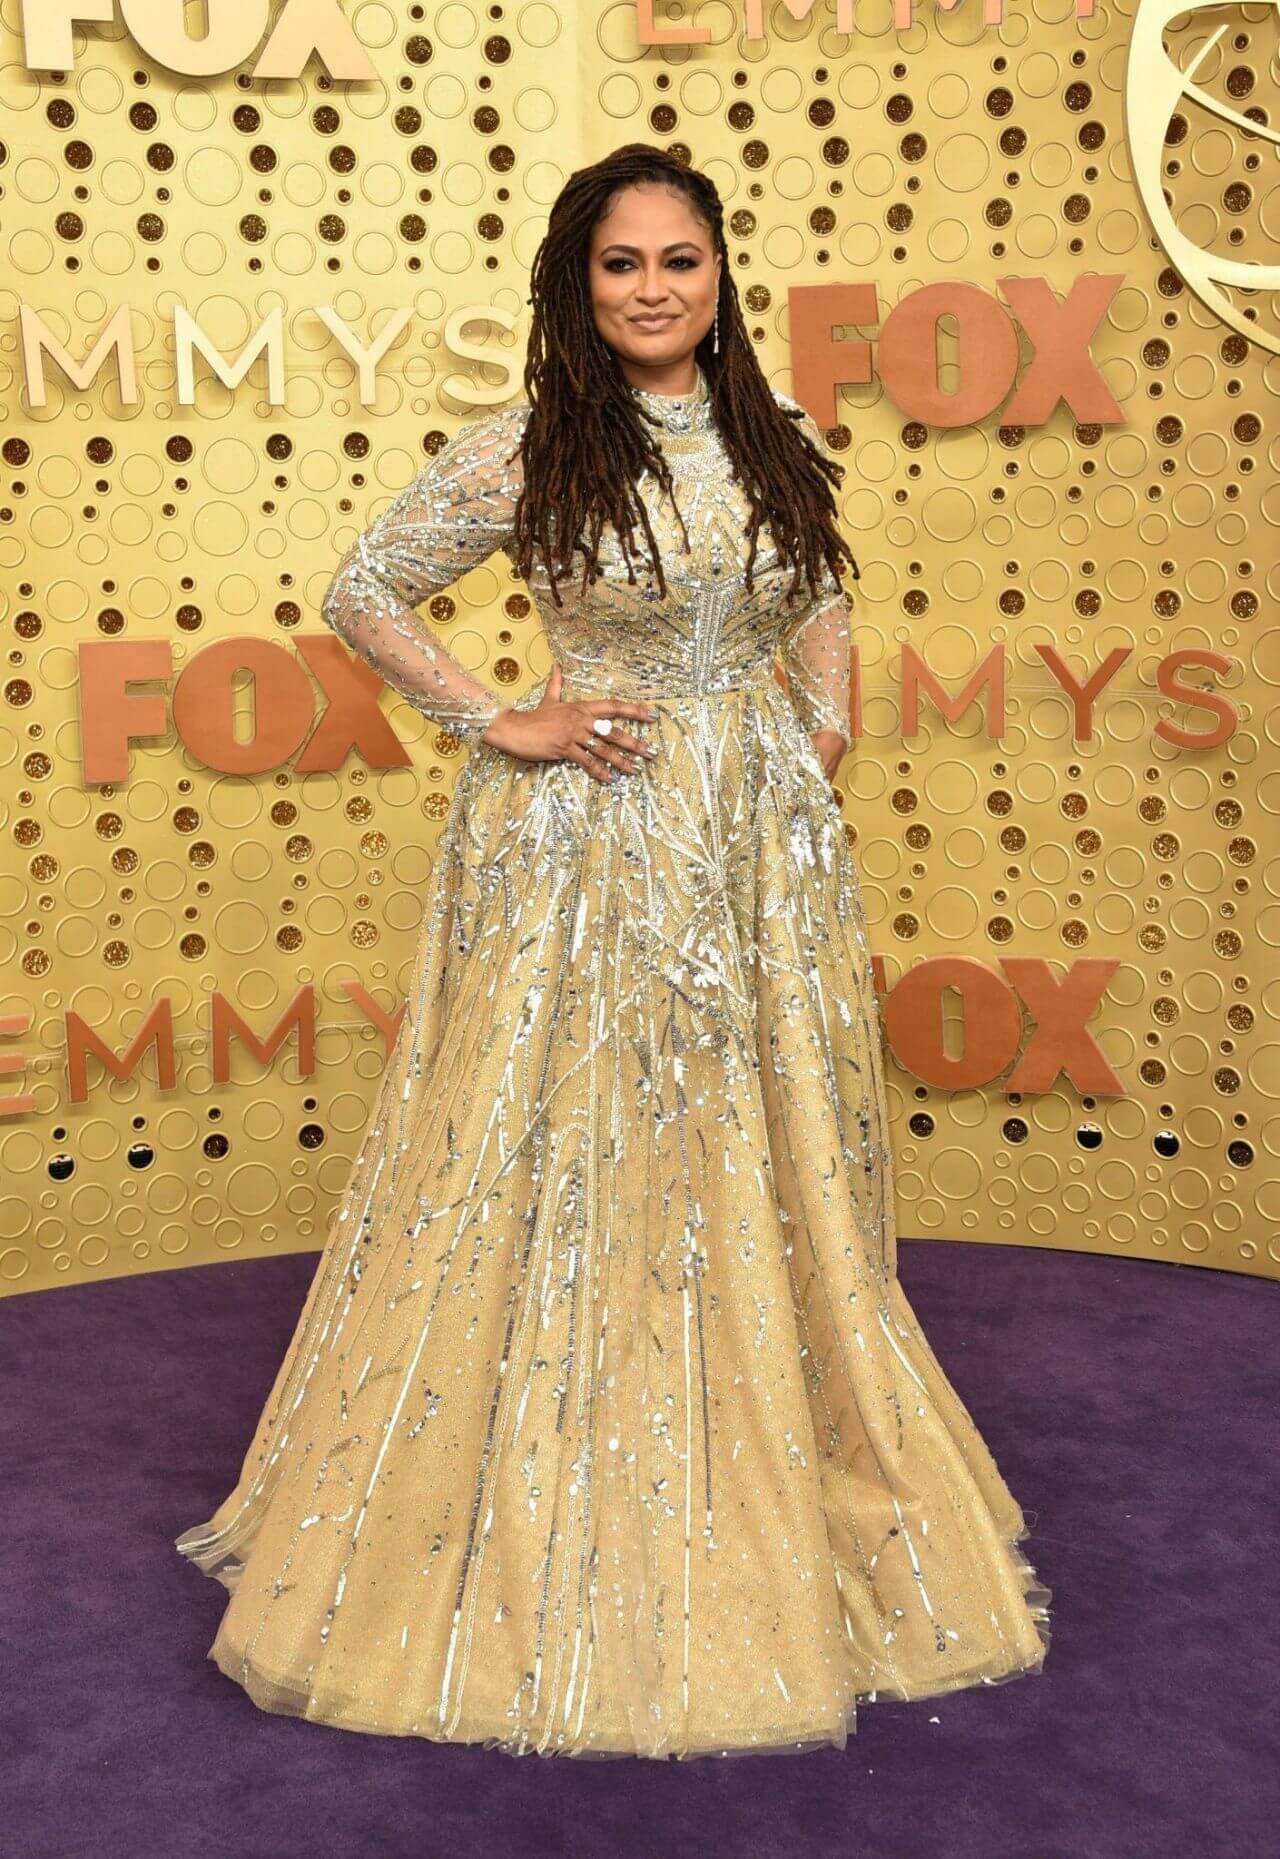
[[606, 1426]]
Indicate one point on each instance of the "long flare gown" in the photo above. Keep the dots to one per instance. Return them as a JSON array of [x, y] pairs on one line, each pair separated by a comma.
[[606, 1427]]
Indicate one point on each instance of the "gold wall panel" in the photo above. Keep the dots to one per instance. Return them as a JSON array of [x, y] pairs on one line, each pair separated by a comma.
[[950, 150]]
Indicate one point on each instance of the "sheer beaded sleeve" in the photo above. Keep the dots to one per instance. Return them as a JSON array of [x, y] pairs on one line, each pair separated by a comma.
[[815, 655], [454, 514], [816, 647]]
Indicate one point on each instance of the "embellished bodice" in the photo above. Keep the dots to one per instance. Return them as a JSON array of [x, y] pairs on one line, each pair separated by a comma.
[[617, 636]]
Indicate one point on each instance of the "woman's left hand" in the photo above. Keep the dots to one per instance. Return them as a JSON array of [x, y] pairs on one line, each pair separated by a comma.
[[830, 748]]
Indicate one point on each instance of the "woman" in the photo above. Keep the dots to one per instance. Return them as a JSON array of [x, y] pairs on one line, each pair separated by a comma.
[[606, 1426]]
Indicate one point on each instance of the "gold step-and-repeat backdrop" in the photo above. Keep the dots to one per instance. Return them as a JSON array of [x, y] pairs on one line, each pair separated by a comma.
[[1019, 263]]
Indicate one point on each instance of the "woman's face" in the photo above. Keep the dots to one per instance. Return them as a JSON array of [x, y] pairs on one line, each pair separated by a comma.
[[652, 259]]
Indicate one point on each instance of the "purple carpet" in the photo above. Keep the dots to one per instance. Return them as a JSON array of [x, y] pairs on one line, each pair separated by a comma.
[[1131, 1405]]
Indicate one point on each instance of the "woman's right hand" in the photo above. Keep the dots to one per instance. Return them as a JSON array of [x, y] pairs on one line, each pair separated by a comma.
[[562, 732]]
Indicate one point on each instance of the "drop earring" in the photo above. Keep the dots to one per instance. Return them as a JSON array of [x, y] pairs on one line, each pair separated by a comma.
[[715, 346]]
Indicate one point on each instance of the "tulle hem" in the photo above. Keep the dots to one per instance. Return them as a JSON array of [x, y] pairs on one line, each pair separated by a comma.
[[285, 1696]]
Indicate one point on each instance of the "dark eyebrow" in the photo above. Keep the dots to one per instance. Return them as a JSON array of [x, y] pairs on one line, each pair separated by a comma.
[[615, 247]]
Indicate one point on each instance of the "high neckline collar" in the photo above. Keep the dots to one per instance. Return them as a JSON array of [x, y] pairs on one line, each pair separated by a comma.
[[689, 412]]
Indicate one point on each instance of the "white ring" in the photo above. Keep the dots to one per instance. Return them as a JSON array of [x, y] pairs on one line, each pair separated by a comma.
[[602, 725]]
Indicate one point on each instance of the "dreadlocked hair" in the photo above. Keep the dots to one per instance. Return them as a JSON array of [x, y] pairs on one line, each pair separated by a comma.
[[587, 440]]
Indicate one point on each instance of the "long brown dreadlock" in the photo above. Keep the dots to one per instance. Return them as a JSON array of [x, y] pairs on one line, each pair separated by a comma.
[[586, 440]]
